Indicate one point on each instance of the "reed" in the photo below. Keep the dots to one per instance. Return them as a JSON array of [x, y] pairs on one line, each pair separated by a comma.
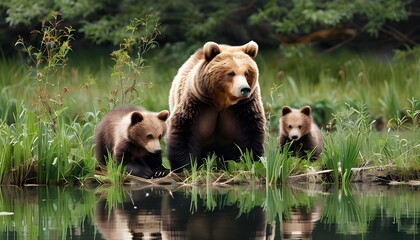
[[331, 156], [342, 148], [278, 163]]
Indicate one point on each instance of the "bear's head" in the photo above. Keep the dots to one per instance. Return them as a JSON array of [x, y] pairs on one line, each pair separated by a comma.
[[295, 123], [147, 129], [229, 73]]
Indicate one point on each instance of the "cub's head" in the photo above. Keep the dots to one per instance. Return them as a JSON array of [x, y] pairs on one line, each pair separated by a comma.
[[295, 123], [229, 73], [147, 129]]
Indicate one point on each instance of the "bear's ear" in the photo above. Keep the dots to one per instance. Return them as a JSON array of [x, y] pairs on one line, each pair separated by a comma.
[[163, 115], [285, 110], [306, 110], [211, 50], [251, 49], [136, 117]]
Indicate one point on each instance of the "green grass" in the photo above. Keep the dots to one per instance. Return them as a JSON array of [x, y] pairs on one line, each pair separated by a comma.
[[277, 163], [351, 92], [33, 152]]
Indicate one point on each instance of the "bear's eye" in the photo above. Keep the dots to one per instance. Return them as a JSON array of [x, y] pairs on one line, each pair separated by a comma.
[[149, 136], [246, 75], [300, 126], [160, 137], [231, 74], [290, 126]]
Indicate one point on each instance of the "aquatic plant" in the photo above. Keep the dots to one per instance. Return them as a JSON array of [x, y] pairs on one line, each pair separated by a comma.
[[331, 156], [34, 153], [277, 162], [342, 148]]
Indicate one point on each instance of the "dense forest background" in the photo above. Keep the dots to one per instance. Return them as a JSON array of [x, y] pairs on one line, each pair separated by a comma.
[[184, 25]]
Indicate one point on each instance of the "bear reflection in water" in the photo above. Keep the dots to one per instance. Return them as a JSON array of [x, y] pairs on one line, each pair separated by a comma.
[[301, 222], [156, 214]]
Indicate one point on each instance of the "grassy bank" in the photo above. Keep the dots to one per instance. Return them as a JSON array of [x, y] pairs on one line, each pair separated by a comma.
[[369, 110]]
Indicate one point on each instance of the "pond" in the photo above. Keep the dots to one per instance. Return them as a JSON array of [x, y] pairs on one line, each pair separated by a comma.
[[359, 211]]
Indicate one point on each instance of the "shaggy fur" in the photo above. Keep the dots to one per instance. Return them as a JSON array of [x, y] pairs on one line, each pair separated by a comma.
[[297, 126], [133, 136], [216, 106]]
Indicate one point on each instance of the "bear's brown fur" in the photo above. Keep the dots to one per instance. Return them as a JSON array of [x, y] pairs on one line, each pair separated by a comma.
[[133, 136], [216, 106], [298, 127]]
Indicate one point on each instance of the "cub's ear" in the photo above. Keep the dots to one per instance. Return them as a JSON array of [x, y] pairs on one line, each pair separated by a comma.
[[285, 110], [251, 49], [306, 110], [163, 115], [136, 117], [211, 50]]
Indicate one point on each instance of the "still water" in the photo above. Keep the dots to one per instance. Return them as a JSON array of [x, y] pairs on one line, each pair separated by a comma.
[[208, 212]]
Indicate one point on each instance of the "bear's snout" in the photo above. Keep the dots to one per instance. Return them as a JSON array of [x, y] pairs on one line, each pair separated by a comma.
[[240, 87], [245, 90], [294, 134], [153, 147]]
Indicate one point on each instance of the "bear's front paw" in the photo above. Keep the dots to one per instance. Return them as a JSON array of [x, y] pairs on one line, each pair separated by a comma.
[[160, 173]]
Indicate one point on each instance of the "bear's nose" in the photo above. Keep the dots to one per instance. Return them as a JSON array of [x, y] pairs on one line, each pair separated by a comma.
[[245, 90], [158, 151], [294, 137]]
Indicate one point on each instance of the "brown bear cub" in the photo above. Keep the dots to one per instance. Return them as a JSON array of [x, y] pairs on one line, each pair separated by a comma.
[[298, 127], [133, 136], [216, 106]]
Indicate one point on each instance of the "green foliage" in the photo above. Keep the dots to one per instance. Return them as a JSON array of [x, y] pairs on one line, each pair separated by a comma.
[[247, 167], [116, 173], [48, 61], [24, 11], [197, 21], [33, 152], [278, 163], [127, 68], [303, 17], [100, 21], [342, 148]]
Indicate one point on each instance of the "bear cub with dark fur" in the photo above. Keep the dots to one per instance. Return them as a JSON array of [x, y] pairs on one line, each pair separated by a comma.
[[298, 127], [132, 136]]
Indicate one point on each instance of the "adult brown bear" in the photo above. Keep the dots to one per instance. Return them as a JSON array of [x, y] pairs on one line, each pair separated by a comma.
[[216, 106]]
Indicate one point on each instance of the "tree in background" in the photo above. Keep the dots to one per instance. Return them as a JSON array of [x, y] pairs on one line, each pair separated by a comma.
[[269, 22], [307, 21]]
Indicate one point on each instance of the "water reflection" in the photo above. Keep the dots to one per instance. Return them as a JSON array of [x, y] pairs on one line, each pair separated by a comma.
[[139, 216], [159, 213], [300, 222], [207, 212]]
